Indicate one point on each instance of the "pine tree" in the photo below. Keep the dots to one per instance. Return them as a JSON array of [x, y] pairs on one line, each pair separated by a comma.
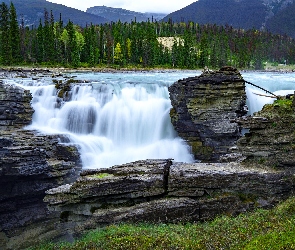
[[40, 48], [14, 35], [6, 54]]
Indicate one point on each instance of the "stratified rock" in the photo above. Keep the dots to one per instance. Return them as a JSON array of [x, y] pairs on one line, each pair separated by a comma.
[[203, 109], [232, 179], [124, 184], [30, 164], [163, 191], [271, 138], [15, 108]]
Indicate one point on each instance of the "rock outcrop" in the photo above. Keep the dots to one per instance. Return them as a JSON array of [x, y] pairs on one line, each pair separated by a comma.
[[15, 107], [204, 108], [165, 191], [30, 164], [271, 138]]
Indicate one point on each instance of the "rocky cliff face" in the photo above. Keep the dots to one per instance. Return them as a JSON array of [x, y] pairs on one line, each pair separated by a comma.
[[203, 109], [30, 164], [171, 192]]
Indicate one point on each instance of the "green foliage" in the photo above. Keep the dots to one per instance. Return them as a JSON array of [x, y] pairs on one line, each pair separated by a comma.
[[261, 229], [4, 35], [283, 103], [140, 44], [102, 175], [14, 35]]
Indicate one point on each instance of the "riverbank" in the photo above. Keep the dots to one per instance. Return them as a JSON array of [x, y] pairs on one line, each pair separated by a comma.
[[280, 68]]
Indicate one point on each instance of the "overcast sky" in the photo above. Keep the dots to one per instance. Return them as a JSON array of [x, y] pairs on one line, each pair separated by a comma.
[[157, 6]]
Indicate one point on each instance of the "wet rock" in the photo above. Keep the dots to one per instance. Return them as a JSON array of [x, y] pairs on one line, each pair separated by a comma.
[[203, 109], [15, 108], [30, 164], [271, 139]]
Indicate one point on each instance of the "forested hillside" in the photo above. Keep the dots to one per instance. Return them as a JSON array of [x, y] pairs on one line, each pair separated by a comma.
[[139, 44], [239, 14], [276, 16], [283, 22], [30, 11]]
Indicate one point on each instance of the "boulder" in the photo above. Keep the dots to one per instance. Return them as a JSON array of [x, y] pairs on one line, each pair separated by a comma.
[[15, 108]]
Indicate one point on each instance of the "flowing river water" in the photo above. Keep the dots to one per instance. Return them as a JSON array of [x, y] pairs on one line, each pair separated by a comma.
[[115, 118]]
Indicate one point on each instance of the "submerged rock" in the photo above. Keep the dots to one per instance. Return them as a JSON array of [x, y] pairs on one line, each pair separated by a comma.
[[204, 108]]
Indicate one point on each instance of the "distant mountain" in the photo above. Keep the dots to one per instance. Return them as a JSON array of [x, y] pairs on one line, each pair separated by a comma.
[[33, 10], [283, 22], [274, 15], [116, 14]]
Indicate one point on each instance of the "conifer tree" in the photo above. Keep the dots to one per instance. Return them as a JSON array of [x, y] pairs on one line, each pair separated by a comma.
[[40, 48], [6, 55], [14, 35]]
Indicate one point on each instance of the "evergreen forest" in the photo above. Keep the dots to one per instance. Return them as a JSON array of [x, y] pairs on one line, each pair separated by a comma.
[[137, 44]]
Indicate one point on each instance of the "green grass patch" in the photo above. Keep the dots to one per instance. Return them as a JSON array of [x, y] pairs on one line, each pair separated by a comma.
[[283, 103], [101, 175], [262, 229]]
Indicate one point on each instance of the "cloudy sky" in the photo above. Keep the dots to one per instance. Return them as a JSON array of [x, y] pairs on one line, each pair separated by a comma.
[[157, 6]]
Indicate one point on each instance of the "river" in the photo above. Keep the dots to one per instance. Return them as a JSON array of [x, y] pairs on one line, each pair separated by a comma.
[[115, 118]]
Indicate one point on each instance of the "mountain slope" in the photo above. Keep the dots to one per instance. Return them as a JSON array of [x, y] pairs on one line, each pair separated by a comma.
[[283, 22], [116, 14], [33, 10], [244, 14]]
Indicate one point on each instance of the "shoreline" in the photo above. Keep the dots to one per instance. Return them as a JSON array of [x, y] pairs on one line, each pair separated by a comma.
[[32, 69]]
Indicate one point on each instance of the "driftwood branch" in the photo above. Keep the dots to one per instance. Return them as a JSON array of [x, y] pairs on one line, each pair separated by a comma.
[[275, 96], [265, 95]]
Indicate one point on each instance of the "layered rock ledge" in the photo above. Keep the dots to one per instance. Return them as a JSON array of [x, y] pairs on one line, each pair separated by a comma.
[[204, 108], [30, 164], [271, 137], [165, 191]]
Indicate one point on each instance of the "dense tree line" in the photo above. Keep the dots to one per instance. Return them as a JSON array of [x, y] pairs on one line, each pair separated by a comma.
[[193, 45]]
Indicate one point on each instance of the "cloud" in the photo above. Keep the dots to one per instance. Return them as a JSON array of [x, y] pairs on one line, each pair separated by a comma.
[[163, 6]]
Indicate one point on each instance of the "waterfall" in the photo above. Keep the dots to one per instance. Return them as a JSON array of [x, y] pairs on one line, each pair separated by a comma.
[[123, 117], [111, 122]]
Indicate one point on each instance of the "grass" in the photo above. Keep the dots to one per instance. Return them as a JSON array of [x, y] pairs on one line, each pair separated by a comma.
[[101, 175], [262, 229]]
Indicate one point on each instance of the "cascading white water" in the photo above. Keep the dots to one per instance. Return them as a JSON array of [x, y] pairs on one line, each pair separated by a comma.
[[112, 121], [277, 83], [119, 118]]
